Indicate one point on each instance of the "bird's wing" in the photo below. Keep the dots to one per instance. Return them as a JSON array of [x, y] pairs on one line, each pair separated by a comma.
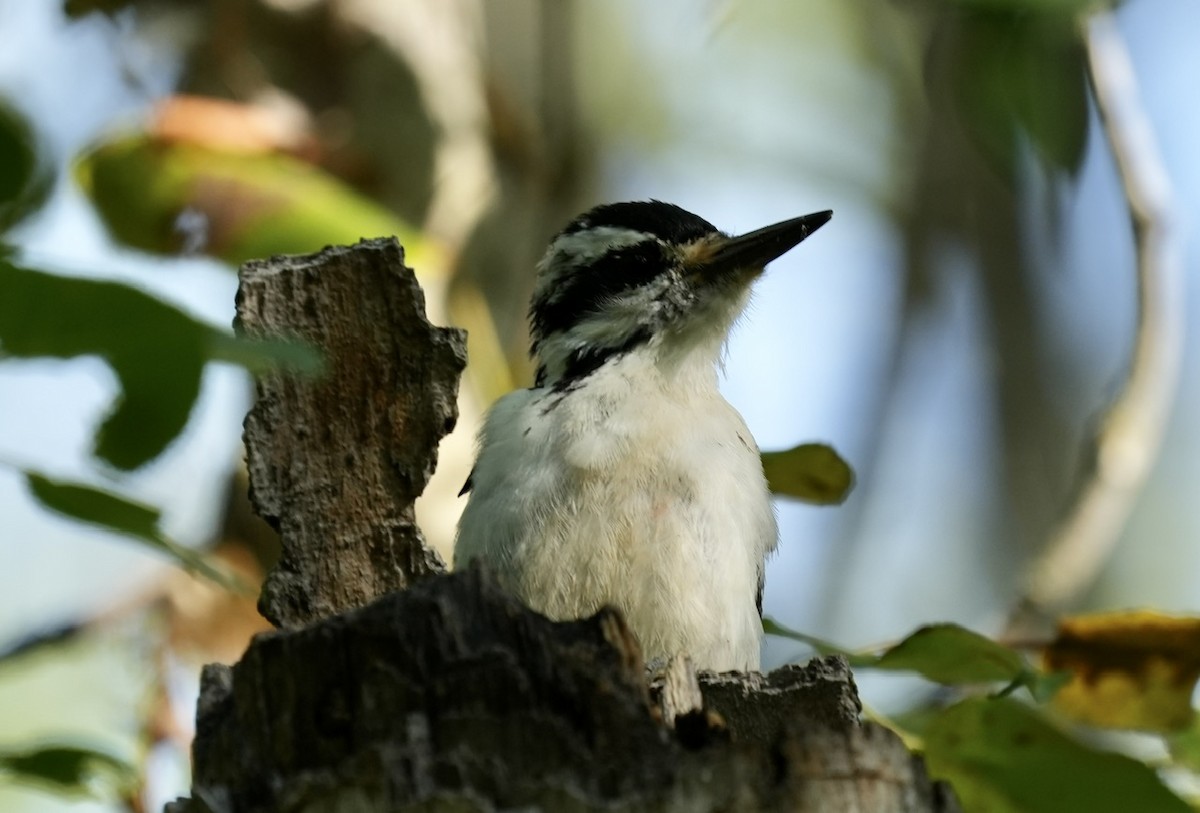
[[514, 401], [762, 578]]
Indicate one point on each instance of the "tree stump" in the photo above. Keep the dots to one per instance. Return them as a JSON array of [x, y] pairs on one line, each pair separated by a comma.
[[336, 463]]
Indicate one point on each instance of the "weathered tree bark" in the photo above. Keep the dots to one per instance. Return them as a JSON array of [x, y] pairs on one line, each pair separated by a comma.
[[337, 462], [450, 695]]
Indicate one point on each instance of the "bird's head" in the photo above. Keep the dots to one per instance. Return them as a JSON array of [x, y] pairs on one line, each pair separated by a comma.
[[647, 274]]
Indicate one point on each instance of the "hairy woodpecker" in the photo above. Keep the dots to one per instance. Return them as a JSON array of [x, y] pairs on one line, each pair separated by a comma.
[[623, 477]]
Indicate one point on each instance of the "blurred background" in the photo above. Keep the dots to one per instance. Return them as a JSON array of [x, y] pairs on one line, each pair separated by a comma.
[[956, 333]]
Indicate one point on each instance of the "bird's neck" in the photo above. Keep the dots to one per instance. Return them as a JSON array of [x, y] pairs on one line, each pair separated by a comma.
[[653, 366]]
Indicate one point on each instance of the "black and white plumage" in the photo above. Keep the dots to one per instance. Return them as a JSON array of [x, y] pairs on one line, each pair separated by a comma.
[[623, 477]]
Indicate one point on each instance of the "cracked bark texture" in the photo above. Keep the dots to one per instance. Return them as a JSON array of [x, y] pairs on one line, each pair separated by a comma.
[[450, 695], [336, 462]]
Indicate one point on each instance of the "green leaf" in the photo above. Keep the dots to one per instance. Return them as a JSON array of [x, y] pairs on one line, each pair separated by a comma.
[[821, 646], [1049, 90], [951, 655], [24, 178], [1043, 685], [94, 505], [68, 768], [944, 653], [1015, 71], [116, 513], [1003, 757], [76, 9], [156, 351], [812, 472], [251, 205], [1032, 6], [260, 356], [1185, 746]]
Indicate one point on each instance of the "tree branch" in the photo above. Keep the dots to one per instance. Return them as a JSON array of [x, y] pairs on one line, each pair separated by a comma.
[[1130, 434]]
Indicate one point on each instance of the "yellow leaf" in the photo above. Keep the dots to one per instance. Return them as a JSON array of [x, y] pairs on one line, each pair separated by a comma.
[[1131, 670]]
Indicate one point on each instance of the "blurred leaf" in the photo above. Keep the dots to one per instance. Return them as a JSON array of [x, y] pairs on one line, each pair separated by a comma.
[[944, 653], [116, 513], [911, 723], [1044, 685], [1003, 757], [260, 356], [1016, 71], [1185, 747], [1135, 669], [812, 472], [1049, 90], [39, 639], [94, 505], [67, 768], [821, 646], [81, 8], [167, 197], [157, 351], [24, 181], [950, 654], [1032, 6]]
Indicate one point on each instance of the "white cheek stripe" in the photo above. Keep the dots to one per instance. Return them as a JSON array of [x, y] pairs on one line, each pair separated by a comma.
[[570, 252]]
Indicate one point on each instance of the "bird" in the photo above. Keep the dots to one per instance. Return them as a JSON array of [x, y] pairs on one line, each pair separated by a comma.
[[623, 477]]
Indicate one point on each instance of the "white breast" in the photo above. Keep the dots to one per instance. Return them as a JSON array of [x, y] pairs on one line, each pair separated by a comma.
[[629, 491]]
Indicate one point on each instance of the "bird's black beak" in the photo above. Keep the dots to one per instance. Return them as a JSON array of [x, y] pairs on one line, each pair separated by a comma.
[[757, 248]]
